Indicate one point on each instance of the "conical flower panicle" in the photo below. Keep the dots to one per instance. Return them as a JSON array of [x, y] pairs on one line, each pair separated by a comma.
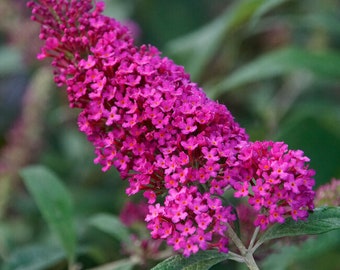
[[147, 119]]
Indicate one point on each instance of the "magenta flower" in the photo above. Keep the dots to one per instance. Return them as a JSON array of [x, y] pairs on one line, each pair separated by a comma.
[[163, 134], [281, 184]]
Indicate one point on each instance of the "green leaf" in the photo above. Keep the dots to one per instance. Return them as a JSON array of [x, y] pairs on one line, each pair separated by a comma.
[[264, 8], [34, 257], [308, 251], [323, 64], [202, 260], [111, 225], [320, 221], [196, 49], [54, 202], [325, 20]]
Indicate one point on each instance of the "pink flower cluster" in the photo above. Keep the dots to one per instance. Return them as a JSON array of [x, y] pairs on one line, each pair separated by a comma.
[[280, 182], [190, 220], [147, 119]]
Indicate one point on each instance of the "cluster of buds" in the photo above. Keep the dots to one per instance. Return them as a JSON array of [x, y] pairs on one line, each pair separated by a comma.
[[146, 118]]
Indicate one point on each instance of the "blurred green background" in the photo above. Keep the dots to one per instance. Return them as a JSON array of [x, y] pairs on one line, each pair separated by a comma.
[[274, 63]]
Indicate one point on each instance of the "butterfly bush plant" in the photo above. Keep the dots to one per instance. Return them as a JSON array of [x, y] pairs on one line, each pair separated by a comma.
[[181, 150]]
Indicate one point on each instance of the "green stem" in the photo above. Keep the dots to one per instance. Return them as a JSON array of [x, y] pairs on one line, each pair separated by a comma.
[[246, 254], [236, 257], [120, 264], [253, 238], [250, 262], [258, 244], [237, 241]]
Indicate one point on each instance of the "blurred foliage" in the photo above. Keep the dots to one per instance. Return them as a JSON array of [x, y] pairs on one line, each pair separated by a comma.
[[274, 63]]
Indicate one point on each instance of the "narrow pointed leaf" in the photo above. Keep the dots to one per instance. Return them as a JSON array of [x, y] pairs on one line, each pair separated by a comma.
[[196, 49], [34, 257], [308, 250], [281, 62], [111, 225], [202, 260], [55, 204], [264, 8], [320, 221]]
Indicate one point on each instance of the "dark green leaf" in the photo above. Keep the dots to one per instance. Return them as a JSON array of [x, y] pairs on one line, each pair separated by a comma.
[[202, 260], [34, 257], [54, 202], [111, 225], [265, 7], [196, 49], [320, 221], [309, 250], [281, 62]]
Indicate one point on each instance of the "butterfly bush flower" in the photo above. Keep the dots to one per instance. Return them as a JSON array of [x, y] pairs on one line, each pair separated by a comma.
[[146, 118], [280, 182]]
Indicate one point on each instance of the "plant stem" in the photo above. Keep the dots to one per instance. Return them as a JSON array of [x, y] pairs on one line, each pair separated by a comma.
[[250, 262], [237, 241], [253, 238], [236, 257], [258, 244], [247, 254]]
